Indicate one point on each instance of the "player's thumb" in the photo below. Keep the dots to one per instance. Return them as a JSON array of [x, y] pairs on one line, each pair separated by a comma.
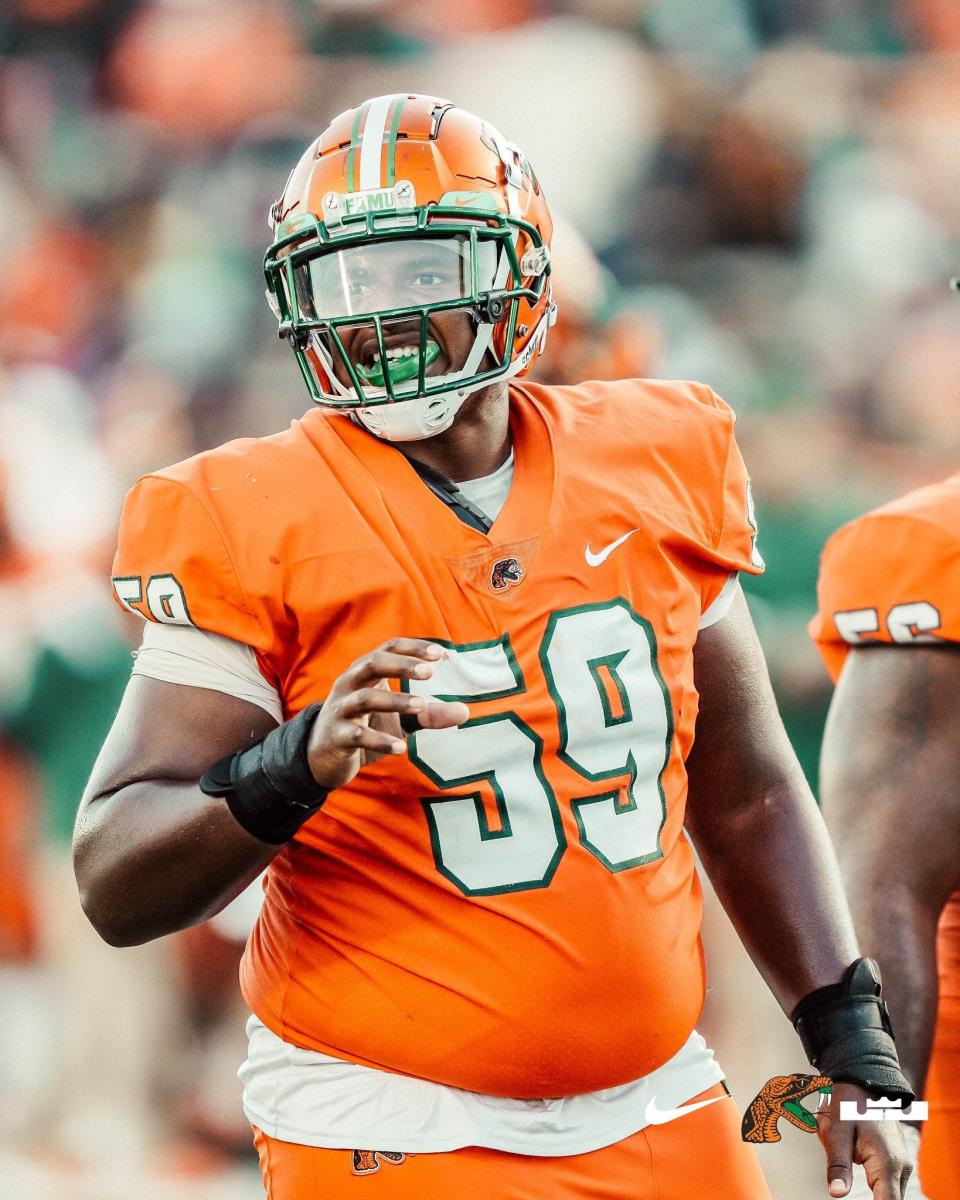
[[837, 1141]]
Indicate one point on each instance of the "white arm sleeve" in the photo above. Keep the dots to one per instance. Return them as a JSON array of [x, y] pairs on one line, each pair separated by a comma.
[[185, 654], [721, 606]]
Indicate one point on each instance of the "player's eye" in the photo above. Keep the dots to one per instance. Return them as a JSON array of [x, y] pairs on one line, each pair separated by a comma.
[[430, 277]]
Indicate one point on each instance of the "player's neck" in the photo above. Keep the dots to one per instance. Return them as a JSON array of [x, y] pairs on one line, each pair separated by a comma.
[[476, 443]]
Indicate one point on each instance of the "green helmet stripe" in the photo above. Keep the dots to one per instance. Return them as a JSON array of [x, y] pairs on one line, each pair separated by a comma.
[[354, 146], [392, 142]]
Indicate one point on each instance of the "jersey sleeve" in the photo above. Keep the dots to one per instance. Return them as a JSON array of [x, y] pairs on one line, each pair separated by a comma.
[[173, 565], [733, 545], [737, 543], [890, 578]]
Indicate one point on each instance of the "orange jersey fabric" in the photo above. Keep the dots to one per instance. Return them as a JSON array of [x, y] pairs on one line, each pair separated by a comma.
[[893, 576], [513, 908]]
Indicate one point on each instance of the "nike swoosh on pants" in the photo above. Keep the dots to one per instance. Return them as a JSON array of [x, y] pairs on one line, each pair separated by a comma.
[[660, 1116]]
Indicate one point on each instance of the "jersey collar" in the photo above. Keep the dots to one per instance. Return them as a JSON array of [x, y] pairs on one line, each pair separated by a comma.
[[421, 514]]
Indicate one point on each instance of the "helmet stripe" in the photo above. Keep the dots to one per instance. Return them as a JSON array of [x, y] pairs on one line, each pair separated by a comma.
[[371, 143], [352, 152], [392, 142]]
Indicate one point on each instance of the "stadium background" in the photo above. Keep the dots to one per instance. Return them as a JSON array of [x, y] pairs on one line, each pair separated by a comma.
[[762, 194]]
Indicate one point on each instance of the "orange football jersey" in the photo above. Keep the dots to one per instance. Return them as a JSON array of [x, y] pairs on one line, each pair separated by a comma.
[[512, 908], [893, 576]]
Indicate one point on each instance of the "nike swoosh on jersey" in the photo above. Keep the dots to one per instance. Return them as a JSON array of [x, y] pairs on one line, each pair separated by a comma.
[[594, 560], [660, 1116]]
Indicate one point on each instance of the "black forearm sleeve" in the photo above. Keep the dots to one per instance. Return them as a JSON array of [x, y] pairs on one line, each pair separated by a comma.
[[269, 787], [846, 1033]]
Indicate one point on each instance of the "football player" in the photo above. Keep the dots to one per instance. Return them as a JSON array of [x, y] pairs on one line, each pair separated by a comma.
[[434, 657], [888, 628]]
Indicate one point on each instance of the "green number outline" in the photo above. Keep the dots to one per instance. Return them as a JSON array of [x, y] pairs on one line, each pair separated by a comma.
[[138, 599], [518, 688], [611, 662], [164, 575], [579, 802], [486, 834]]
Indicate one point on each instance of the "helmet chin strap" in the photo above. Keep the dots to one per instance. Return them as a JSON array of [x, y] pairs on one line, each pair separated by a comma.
[[412, 420], [425, 416]]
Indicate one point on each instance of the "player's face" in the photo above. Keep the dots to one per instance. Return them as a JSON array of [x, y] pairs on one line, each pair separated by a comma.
[[450, 337], [386, 276]]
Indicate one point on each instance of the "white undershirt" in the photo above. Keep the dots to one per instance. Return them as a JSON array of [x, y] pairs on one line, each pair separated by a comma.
[[489, 492], [309, 1098]]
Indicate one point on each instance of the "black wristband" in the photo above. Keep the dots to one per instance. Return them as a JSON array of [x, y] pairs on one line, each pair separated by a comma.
[[269, 787], [846, 1033]]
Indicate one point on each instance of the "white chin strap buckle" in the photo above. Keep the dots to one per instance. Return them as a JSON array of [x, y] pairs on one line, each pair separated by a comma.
[[411, 420]]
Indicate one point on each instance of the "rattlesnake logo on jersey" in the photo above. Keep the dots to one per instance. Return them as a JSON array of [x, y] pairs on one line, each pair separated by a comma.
[[367, 1162], [779, 1097], [504, 572]]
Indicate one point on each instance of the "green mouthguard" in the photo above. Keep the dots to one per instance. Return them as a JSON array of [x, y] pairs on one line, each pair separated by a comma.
[[400, 369]]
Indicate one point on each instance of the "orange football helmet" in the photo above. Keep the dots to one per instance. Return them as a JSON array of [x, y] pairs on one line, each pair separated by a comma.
[[404, 208]]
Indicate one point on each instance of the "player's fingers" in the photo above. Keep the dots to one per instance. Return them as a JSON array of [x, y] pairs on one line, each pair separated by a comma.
[[861, 1190], [377, 700], [384, 664], [888, 1178], [906, 1187], [442, 714], [350, 736], [417, 647], [887, 1186], [885, 1162], [837, 1138]]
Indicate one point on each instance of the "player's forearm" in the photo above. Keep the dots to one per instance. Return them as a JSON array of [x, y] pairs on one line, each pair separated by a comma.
[[889, 766], [157, 856], [898, 928], [772, 865], [756, 824]]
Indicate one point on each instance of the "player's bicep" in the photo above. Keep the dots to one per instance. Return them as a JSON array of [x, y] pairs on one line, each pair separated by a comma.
[[890, 768], [740, 748], [172, 731]]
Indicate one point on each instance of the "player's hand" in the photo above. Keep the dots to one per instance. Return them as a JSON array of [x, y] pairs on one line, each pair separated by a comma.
[[360, 719], [877, 1145], [862, 1190]]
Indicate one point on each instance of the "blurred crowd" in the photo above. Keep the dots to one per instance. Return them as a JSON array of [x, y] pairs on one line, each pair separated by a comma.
[[762, 194]]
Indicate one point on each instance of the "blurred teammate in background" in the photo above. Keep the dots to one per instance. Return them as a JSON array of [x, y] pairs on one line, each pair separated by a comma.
[[888, 628], [479, 945]]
